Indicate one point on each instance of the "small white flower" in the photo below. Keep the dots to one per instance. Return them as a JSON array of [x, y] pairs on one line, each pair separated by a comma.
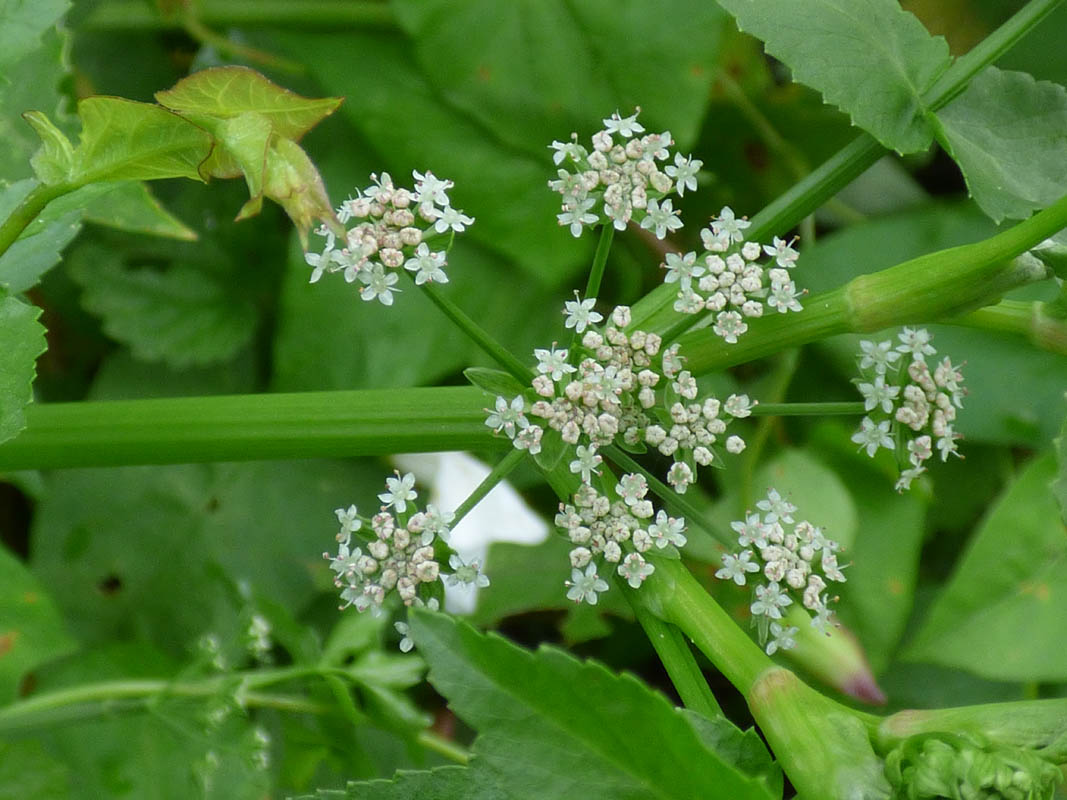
[[507, 417], [571, 150], [451, 218], [553, 363], [729, 225], [400, 491], [879, 355], [684, 171], [406, 643], [624, 126], [770, 600], [431, 190], [427, 265], [580, 313], [915, 341], [782, 252], [776, 507], [738, 406], [576, 214], [632, 488], [350, 522], [379, 284], [680, 476], [735, 444], [635, 569], [463, 573], [660, 218], [878, 394], [682, 269], [667, 530], [871, 436], [729, 325], [782, 638], [585, 586], [750, 531], [783, 297], [735, 567], [586, 463]]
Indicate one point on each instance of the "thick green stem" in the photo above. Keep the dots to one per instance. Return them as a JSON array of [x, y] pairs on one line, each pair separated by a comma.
[[675, 596], [942, 284], [244, 427], [27, 211], [477, 334], [1020, 318], [673, 651], [122, 15]]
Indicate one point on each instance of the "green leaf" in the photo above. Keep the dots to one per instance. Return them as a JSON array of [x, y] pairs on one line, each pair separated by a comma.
[[199, 531], [547, 720], [131, 206], [444, 783], [743, 749], [125, 140], [39, 246], [1059, 485], [512, 66], [21, 24], [27, 772], [503, 190], [185, 315], [553, 448], [224, 93], [21, 341], [1004, 610], [1008, 132], [872, 60], [31, 629], [54, 161]]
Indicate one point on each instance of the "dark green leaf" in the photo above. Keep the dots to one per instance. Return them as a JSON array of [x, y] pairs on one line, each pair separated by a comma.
[[31, 630], [1008, 132], [21, 341], [21, 24], [185, 315], [547, 720], [27, 772], [1003, 613], [872, 60], [495, 381], [513, 66], [744, 749]]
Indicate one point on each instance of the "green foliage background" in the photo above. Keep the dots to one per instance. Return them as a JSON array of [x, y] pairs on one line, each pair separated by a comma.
[[957, 591]]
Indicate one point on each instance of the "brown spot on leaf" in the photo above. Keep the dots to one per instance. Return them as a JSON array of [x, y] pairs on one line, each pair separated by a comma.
[[1039, 590], [895, 587], [756, 155], [31, 597], [7, 642], [484, 74]]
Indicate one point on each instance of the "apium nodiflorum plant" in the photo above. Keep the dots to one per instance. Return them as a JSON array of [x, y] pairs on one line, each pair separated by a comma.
[[619, 418]]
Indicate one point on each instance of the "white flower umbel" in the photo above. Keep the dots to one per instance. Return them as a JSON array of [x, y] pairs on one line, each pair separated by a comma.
[[620, 178], [391, 228], [393, 551], [613, 532], [785, 562], [911, 408], [727, 279]]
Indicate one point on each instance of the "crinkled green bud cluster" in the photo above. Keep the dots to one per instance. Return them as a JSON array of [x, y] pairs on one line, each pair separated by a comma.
[[961, 767]]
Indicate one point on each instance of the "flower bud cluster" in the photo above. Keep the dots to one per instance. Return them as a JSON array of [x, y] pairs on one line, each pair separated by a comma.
[[393, 551], [391, 230], [621, 178], [624, 389], [728, 280], [909, 405], [614, 533], [788, 560]]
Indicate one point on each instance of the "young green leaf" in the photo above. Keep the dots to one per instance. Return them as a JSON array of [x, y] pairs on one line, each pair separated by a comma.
[[872, 60], [549, 721], [22, 24], [21, 341], [39, 246], [31, 630], [444, 783], [1003, 613], [494, 381], [1007, 132]]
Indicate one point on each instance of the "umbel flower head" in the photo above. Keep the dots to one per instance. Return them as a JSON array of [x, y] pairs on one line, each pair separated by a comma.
[[910, 409], [622, 176], [786, 560], [391, 228], [393, 551], [622, 388], [728, 280], [612, 530]]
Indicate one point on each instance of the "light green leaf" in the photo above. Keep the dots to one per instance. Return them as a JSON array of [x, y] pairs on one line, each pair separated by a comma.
[[872, 60], [1059, 485], [228, 92], [185, 315], [1008, 132], [503, 190], [31, 629], [512, 66], [21, 24], [495, 381], [444, 783], [125, 140], [1003, 613], [21, 341], [38, 247], [547, 720], [54, 161], [131, 206]]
